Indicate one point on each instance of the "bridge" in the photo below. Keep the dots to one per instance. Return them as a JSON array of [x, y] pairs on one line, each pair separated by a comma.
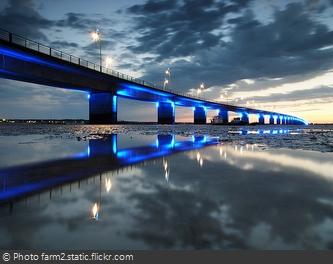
[[29, 61], [101, 156]]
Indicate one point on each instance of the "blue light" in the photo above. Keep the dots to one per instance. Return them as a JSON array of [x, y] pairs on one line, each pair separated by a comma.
[[114, 145], [146, 90], [29, 58], [114, 103], [173, 141], [88, 96], [88, 151], [157, 105]]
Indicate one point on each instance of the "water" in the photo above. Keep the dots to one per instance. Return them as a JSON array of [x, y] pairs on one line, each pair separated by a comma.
[[166, 187]]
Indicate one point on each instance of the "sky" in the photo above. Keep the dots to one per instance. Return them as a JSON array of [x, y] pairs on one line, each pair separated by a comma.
[[272, 55]]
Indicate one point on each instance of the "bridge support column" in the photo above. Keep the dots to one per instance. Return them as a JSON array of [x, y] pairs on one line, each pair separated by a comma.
[[224, 115], [287, 121], [261, 119], [102, 108], [271, 120], [283, 120], [165, 113], [199, 115], [98, 147], [167, 141], [245, 118], [278, 120]]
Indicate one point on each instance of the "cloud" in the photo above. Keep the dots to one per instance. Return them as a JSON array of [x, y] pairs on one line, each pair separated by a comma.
[[179, 28], [82, 22], [292, 43], [38, 101], [324, 92], [61, 44], [20, 17]]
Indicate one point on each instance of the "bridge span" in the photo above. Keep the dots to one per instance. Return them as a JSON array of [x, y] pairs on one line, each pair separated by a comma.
[[29, 61]]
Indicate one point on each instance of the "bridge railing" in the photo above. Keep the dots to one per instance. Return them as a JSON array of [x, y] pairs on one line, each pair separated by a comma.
[[36, 46]]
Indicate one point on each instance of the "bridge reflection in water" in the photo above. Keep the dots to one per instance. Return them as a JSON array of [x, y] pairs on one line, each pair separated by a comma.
[[102, 155]]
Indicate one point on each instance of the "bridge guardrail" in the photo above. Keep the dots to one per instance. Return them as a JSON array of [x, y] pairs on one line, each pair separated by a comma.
[[36, 46]]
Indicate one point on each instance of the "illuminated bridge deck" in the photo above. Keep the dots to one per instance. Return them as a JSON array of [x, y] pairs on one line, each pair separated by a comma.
[[26, 60]]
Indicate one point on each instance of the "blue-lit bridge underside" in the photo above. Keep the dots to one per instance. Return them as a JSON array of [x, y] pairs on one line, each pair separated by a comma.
[[102, 155], [28, 61]]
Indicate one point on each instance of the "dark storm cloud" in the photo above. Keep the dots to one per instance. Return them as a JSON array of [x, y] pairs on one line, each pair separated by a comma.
[[20, 17], [153, 6], [179, 28], [82, 21], [64, 44], [290, 44]]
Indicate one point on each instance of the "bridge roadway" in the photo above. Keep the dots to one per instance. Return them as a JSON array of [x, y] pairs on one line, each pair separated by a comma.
[[29, 61]]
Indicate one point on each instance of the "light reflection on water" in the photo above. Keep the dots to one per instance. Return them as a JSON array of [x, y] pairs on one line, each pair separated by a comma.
[[167, 194]]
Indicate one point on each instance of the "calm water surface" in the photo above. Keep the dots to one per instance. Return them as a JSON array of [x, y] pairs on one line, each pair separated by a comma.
[[166, 187]]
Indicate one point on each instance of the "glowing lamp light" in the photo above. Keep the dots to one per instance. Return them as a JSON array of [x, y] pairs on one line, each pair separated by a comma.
[[108, 185], [165, 164], [201, 162], [198, 157], [94, 211], [95, 35]]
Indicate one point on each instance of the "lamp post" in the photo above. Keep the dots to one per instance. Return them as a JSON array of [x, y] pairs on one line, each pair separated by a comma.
[[96, 36], [167, 78], [201, 88]]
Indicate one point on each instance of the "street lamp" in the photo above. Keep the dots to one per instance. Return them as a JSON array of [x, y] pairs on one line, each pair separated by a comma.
[[96, 37], [201, 88], [166, 82], [167, 78], [168, 72]]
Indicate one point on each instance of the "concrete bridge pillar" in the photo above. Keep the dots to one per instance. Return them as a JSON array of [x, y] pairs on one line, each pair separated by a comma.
[[245, 118], [287, 121], [105, 146], [261, 119], [165, 141], [199, 115], [271, 120], [283, 120], [102, 108], [166, 113], [278, 120], [224, 115]]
